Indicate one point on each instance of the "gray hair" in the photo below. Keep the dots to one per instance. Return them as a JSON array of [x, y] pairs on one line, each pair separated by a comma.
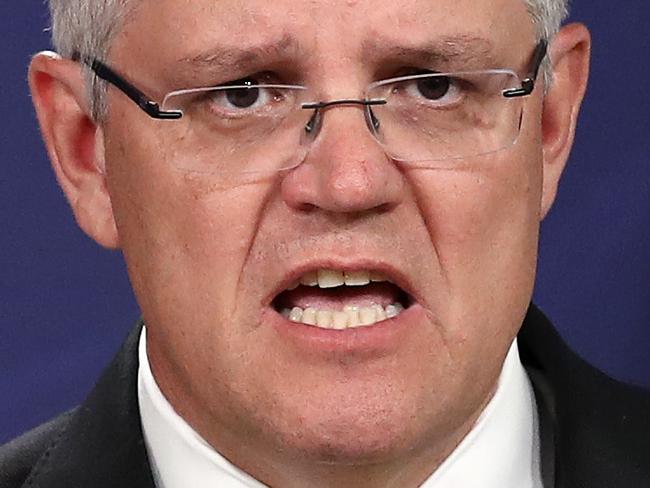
[[547, 16], [87, 27]]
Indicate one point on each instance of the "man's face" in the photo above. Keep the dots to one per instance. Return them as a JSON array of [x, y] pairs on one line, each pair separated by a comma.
[[211, 263]]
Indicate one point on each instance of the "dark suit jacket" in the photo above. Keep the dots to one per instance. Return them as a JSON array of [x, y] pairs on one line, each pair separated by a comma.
[[595, 431]]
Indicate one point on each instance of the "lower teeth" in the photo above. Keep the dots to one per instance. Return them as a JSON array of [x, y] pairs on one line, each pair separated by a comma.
[[349, 317]]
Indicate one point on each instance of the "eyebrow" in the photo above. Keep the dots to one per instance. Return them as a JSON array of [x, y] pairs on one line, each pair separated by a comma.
[[458, 49], [223, 57]]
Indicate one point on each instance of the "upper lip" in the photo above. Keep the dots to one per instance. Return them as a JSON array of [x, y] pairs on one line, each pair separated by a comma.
[[392, 273]]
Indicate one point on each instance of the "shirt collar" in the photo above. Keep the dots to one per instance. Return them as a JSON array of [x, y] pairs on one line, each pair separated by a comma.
[[502, 449], [178, 455]]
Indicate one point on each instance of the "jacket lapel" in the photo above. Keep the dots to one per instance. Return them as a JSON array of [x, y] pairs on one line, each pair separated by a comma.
[[103, 445], [593, 428]]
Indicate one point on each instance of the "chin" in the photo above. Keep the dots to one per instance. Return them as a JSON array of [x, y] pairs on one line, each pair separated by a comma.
[[366, 433], [350, 445]]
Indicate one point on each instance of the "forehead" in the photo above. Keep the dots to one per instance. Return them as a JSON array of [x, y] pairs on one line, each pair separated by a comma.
[[176, 30]]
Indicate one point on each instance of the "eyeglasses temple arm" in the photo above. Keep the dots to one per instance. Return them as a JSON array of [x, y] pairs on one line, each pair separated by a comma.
[[528, 83], [144, 102]]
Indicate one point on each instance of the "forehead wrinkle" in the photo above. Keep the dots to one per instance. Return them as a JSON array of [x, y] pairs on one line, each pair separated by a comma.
[[458, 48]]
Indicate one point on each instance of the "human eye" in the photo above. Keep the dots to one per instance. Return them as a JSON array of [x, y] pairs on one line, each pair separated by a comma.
[[438, 90], [244, 95], [242, 99]]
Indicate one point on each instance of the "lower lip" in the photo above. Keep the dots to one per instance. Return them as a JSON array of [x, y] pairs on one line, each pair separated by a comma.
[[379, 339]]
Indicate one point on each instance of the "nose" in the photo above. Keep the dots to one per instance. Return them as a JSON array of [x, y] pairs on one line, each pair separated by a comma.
[[345, 170]]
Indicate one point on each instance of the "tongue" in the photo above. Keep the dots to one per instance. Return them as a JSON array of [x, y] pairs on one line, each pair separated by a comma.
[[336, 298]]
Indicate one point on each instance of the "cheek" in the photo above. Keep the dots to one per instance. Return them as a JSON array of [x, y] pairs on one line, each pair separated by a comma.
[[484, 226], [492, 206], [184, 238], [465, 206]]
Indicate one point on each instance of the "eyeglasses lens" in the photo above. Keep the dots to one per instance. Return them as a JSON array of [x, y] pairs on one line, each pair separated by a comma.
[[430, 120]]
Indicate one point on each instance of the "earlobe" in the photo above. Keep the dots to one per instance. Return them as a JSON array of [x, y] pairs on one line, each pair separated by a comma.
[[570, 53], [74, 143]]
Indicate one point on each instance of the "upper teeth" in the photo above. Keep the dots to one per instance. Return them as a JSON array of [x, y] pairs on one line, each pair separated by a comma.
[[330, 278]]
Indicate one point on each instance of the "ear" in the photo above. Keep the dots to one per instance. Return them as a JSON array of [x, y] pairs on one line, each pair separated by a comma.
[[74, 143], [570, 52]]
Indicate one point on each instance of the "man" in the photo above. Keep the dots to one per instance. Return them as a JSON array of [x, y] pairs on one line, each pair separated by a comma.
[[330, 212]]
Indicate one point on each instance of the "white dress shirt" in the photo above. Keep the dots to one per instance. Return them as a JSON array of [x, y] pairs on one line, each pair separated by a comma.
[[501, 451]]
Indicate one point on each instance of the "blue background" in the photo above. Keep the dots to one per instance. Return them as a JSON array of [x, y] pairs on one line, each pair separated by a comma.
[[65, 303]]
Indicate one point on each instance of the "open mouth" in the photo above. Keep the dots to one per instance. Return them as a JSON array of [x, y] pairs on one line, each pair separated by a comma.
[[339, 300]]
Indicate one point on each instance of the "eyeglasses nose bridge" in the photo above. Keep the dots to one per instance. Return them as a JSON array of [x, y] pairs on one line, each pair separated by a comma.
[[313, 126]]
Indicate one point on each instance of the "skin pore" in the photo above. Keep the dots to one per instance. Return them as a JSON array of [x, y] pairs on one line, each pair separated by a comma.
[[206, 259]]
